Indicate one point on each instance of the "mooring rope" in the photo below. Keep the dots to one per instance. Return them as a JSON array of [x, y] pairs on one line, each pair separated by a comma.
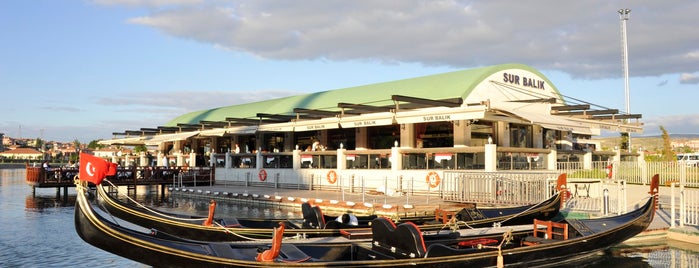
[[232, 231], [151, 210]]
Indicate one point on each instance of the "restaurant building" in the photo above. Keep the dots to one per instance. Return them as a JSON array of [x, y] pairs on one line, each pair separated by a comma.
[[507, 117]]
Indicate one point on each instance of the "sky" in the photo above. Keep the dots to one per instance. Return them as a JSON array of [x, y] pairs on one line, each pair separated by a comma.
[[84, 69]]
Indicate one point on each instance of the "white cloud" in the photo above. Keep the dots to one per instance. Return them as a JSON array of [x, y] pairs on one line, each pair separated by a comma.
[[687, 78], [583, 41], [147, 3], [675, 124], [176, 103]]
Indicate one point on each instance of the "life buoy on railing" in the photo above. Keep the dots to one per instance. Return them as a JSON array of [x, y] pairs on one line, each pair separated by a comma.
[[332, 177], [433, 179], [262, 175]]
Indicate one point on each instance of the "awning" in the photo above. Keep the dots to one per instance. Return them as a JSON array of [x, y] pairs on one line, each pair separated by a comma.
[[242, 130], [124, 141], [216, 132], [539, 114], [610, 126], [158, 139], [277, 127], [320, 124], [367, 120], [440, 114]]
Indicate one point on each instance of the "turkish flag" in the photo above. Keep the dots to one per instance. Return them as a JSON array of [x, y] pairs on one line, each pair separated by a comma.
[[94, 169]]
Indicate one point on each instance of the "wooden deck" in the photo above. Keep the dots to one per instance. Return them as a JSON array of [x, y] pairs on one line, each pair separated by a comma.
[[38, 177]]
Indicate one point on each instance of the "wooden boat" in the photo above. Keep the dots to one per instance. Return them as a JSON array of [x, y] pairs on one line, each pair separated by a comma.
[[395, 246], [315, 223]]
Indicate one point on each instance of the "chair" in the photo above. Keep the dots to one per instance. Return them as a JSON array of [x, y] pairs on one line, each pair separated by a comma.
[[553, 231]]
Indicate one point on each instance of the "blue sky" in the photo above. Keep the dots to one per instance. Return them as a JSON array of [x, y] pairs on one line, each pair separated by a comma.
[[84, 69]]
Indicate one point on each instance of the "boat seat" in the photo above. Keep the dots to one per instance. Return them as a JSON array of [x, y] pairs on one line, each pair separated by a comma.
[[439, 250], [312, 216], [230, 222], [552, 231], [272, 253], [469, 214], [291, 253], [405, 241], [319, 216], [382, 229]]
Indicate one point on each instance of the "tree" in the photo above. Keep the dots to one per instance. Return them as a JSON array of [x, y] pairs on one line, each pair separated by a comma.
[[94, 145], [140, 148], [668, 154], [76, 144], [624, 142], [38, 143]]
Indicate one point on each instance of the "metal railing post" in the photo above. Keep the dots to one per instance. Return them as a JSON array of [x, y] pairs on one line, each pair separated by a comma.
[[672, 204]]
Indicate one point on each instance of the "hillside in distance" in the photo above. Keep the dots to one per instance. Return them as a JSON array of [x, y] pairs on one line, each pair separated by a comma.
[[649, 143]]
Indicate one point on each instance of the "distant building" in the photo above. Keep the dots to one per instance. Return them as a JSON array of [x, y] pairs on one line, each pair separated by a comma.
[[692, 144], [23, 153]]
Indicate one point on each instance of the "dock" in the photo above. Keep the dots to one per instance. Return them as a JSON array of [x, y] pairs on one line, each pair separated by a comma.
[[131, 177]]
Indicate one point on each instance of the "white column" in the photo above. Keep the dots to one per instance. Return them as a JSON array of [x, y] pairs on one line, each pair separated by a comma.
[[297, 159], [551, 160], [144, 160], [587, 160], [396, 160], [491, 157], [341, 159]]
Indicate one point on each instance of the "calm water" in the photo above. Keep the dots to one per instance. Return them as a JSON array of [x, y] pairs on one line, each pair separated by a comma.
[[39, 232]]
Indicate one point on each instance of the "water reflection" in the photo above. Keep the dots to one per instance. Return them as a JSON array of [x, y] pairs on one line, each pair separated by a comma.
[[194, 205], [28, 221], [657, 253], [39, 203]]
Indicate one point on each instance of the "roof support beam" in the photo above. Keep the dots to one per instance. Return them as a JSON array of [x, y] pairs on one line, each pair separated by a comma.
[[540, 100], [571, 107], [215, 123], [184, 126], [277, 117], [362, 107], [618, 116], [446, 103], [315, 112], [590, 112], [244, 121]]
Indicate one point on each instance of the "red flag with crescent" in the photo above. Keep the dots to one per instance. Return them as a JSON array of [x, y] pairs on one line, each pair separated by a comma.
[[94, 169]]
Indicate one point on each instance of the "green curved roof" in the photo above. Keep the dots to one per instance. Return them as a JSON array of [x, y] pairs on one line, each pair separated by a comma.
[[440, 86]]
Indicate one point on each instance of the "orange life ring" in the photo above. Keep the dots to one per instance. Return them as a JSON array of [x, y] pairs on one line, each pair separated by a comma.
[[262, 175], [433, 179], [332, 177]]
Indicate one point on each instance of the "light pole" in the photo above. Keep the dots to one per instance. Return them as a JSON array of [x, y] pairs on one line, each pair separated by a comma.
[[624, 16]]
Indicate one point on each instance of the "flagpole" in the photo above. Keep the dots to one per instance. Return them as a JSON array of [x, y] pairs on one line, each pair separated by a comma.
[[624, 17]]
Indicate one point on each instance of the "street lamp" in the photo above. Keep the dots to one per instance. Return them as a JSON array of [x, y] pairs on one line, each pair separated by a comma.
[[624, 16]]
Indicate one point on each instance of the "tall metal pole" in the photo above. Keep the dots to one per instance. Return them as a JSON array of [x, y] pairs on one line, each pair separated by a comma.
[[624, 16]]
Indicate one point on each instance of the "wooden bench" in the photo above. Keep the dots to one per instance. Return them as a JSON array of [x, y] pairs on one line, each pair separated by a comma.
[[443, 215], [551, 232]]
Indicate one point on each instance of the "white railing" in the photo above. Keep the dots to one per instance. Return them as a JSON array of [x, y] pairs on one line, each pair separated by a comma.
[[684, 205], [599, 196], [498, 187]]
